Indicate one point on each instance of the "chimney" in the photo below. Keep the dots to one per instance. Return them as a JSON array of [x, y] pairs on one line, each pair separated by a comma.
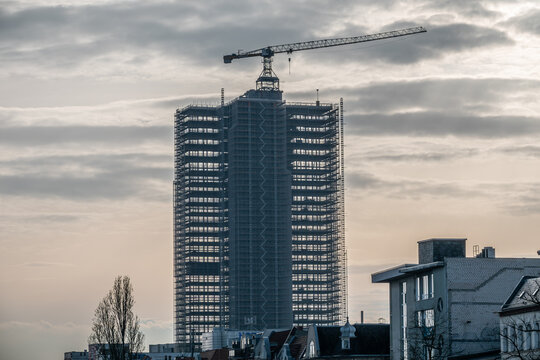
[[432, 250], [488, 252], [362, 317]]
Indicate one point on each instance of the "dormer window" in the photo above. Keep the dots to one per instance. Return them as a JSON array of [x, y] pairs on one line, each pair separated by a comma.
[[312, 349], [346, 343]]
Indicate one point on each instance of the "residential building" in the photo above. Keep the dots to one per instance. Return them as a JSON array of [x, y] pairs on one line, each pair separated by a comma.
[[171, 351], [220, 338], [76, 355], [446, 306], [358, 341], [258, 214], [520, 321]]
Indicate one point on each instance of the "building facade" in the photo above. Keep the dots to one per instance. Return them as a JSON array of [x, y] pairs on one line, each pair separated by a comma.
[[358, 341], [446, 306], [520, 321], [258, 214]]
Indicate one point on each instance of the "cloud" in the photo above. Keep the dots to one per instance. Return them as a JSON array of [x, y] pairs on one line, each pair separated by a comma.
[[133, 34], [525, 200], [465, 7], [89, 177], [405, 188], [71, 35], [516, 199], [461, 95], [435, 123], [532, 151], [427, 156], [47, 135], [43, 264], [528, 22], [438, 41]]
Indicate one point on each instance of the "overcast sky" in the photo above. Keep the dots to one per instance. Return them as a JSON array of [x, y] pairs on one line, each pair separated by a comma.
[[442, 139]]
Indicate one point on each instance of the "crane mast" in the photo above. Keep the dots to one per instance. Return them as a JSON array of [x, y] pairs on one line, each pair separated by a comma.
[[268, 79]]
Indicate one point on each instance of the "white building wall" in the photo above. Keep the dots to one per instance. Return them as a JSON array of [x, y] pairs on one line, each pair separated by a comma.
[[521, 331]]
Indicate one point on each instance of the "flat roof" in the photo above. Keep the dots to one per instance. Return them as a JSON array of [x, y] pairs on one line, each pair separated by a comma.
[[442, 239], [402, 271]]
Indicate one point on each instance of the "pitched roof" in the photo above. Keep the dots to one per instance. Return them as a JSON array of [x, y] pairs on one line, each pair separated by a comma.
[[216, 354], [298, 342], [371, 339], [525, 295]]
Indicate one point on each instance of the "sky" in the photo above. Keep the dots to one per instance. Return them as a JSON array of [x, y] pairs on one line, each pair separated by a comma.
[[442, 137]]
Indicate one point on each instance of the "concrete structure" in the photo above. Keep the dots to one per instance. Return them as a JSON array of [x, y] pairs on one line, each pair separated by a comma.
[[171, 351], [358, 341], [520, 321], [76, 355], [258, 214], [446, 306]]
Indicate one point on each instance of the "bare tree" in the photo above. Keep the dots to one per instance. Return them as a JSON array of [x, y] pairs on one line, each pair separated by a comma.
[[426, 340], [115, 325], [519, 337]]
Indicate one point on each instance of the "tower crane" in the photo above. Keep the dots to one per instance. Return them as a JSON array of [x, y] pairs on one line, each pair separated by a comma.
[[268, 79]]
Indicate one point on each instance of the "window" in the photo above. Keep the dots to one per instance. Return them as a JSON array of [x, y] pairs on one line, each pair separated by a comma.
[[425, 287], [504, 340], [312, 349], [425, 318], [404, 345]]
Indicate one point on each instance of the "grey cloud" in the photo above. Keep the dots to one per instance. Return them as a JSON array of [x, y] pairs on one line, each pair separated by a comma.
[[418, 157], [463, 7], [89, 177], [526, 201], [515, 199], [459, 94], [362, 180], [200, 31], [67, 36], [438, 41], [46, 135], [432, 123], [50, 218], [405, 188], [529, 22], [526, 150], [45, 264]]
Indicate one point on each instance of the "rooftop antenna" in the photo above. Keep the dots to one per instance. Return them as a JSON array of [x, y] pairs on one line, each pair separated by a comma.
[[318, 103], [475, 250]]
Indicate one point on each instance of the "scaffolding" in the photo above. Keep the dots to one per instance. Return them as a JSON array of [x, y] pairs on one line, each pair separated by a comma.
[[319, 289], [200, 223], [258, 215]]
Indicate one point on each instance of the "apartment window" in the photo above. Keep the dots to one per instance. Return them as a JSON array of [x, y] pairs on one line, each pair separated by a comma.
[[404, 345], [425, 318], [424, 287]]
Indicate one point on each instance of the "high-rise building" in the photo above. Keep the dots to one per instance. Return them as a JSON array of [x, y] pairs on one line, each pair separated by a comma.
[[258, 214]]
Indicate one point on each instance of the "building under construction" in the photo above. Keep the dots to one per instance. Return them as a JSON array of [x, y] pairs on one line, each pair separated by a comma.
[[258, 214], [259, 237]]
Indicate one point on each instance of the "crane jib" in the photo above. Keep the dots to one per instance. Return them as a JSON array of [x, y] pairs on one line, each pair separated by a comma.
[[269, 51]]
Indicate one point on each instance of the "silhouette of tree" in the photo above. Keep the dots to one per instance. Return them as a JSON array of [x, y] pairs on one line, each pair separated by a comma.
[[115, 325]]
